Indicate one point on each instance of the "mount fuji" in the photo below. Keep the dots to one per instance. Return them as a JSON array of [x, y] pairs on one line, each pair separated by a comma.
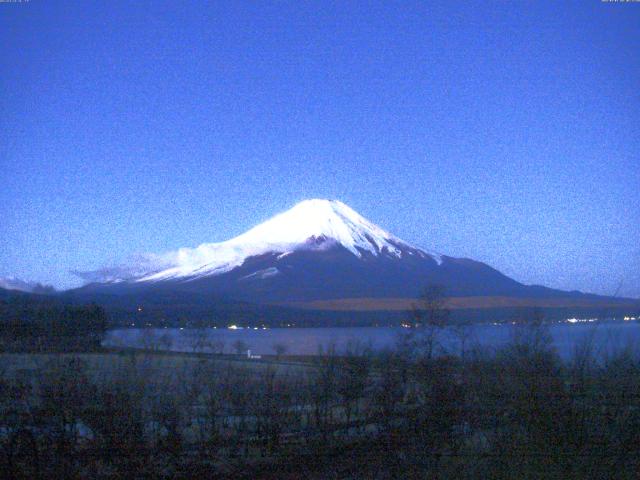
[[311, 225], [319, 255]]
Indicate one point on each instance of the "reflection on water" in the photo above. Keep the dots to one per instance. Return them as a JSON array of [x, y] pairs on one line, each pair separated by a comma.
[[606, 337]]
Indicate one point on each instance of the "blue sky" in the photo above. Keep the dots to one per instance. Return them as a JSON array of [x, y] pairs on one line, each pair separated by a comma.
[[508, 132]]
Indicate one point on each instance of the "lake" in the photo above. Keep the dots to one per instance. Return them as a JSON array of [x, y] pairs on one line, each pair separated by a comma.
[[607, 337]]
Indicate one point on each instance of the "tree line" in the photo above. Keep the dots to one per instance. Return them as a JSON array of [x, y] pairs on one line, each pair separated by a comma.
[[27, 325]]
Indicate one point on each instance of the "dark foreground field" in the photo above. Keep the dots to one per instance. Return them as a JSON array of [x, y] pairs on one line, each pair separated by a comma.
[[515, 413]]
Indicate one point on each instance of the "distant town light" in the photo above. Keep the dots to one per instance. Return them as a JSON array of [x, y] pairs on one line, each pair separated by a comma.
[[581, 320]]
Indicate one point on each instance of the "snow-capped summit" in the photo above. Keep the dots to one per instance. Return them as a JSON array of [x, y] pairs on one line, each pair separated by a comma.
[[330, 219], [310, 225]]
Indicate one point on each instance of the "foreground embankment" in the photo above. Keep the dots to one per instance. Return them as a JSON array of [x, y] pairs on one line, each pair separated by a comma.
[[517, 412]]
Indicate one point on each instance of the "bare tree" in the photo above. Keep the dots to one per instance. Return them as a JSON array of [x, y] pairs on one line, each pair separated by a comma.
[[463, 333], [280, 349], [217, 346], [240, 346], [429, 316], [323, 390], [165, 341], [353, 379], [149, 339], [197, 339]]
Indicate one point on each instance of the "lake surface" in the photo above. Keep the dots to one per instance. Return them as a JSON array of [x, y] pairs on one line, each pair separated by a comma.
[[607, 337]]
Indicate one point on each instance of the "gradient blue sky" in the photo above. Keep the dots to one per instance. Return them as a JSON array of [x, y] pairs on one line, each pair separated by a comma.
[[508, 132]]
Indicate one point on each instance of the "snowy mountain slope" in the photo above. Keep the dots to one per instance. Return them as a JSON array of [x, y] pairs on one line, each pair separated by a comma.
[[310, 225]]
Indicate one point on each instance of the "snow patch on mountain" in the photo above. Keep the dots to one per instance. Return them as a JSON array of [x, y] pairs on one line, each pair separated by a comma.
[[262, 274]]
